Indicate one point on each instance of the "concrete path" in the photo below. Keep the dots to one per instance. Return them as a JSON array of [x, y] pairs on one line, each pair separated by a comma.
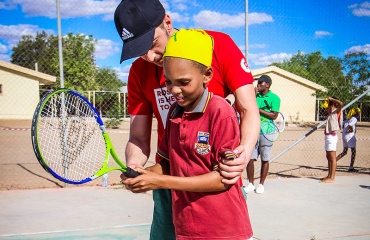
[[289, 209]]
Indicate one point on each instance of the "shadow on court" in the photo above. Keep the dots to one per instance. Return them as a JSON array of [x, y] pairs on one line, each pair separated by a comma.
[[299, 208]]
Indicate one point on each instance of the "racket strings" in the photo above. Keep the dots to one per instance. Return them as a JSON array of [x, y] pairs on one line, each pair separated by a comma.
[[280, 122], [70, 137], [270, 131]]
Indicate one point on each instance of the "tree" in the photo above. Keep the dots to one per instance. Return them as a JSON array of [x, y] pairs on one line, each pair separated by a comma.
[[80, 70], [357, 66], [36, 50], [79, 62], [108, 80], [326, 72]]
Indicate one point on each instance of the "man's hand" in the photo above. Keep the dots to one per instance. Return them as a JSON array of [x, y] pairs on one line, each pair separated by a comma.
[[232, 170]]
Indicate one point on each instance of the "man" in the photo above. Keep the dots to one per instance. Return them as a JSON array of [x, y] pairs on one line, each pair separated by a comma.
[[145, 29], [263, 146]]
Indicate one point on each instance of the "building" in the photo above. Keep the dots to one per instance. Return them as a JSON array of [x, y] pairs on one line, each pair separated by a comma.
[[297, 94], [19, 90]]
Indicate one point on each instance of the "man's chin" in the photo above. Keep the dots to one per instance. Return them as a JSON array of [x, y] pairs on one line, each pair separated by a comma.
[[159, 64]]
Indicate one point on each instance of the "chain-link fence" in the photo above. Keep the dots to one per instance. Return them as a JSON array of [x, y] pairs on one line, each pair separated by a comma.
[[91, 51]]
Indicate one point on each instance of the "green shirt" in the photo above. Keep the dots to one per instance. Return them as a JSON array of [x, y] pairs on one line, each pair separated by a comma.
[[273, 101]]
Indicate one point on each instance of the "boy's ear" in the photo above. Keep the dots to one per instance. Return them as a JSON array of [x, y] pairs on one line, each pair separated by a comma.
[[208, 74]]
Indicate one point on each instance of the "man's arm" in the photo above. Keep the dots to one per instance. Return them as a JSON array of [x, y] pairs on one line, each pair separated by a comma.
[[138, 146], [249, 130], [269, 115]]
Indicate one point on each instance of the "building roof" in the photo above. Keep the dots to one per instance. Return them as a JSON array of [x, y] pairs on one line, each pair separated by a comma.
[[29, 73], [288, 75]]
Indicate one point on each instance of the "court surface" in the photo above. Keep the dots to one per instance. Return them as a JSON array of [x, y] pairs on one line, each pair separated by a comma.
[[290, 208]]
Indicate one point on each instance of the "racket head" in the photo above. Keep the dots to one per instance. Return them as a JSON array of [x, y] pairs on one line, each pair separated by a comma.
[[67, 137], [280, 122], [269, 131]]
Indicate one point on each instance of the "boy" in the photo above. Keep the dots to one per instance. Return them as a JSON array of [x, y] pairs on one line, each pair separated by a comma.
[[200, 127], [349, 136]]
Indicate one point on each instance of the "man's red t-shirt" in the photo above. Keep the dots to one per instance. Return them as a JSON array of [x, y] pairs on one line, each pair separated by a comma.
[[147, 93]]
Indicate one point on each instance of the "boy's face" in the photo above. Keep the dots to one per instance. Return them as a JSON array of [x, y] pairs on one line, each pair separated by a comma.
[[185, 81]]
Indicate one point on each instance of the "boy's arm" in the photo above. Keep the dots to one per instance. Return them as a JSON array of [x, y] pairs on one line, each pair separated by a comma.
[[338, 103], [148, 180]]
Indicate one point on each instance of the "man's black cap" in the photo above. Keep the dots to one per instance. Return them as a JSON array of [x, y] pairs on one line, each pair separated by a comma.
[[265, 78], [135, 22]]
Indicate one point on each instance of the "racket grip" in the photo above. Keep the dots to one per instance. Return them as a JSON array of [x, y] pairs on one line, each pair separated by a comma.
[[131, 173], [229, 155]]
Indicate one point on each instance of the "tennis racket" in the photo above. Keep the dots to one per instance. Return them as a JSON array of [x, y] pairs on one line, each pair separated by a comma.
[[279, 121], [269, 130], [70, 140]]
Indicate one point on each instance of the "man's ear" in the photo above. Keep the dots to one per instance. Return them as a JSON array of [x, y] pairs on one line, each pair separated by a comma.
[[167, 23], [208, 74]]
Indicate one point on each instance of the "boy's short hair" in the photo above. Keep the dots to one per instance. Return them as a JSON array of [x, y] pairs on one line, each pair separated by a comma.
[[195, 45]]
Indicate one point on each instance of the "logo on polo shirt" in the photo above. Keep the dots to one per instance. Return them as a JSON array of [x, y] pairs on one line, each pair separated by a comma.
[[126, 34], [244, 65], [202, 146]]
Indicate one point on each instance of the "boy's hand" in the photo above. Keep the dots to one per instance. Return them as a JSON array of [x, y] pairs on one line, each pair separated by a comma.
[[145, 182]]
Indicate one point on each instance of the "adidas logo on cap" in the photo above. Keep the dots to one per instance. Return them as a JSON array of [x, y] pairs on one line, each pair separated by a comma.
[[126, 34]]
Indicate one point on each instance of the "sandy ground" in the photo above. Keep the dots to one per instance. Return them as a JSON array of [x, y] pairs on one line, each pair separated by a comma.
[[19, 169]]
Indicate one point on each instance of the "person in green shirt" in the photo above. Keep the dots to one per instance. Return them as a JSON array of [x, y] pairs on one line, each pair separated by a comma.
[[263, 146]]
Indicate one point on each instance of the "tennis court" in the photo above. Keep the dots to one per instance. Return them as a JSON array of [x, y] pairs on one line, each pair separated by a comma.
[[294, 206], [289, 209]]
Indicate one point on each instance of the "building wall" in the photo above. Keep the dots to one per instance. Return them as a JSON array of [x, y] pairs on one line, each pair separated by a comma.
[[19, 97], [297, 100]]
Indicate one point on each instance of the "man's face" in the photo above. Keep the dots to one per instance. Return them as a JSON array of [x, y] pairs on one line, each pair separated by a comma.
[[261, 86], [155, 53]]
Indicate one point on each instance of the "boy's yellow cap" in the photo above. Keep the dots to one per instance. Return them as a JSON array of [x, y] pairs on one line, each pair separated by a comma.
[[191, 44], [353, 111], [325, 103]]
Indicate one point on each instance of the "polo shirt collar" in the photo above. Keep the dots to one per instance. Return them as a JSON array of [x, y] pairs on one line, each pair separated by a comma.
[[200, 108], [260, 95]]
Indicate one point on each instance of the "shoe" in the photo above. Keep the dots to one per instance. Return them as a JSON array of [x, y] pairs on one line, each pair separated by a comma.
[[260, 189], [249, 188], [351, 169]]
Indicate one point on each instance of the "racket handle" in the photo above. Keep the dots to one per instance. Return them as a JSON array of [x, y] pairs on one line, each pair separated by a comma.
[[229, 155], [131, 173]]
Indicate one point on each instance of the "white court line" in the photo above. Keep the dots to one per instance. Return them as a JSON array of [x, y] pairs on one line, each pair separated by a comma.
[[74, 230]]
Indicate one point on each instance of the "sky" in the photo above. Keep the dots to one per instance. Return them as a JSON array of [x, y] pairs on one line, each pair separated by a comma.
[[277, 29]]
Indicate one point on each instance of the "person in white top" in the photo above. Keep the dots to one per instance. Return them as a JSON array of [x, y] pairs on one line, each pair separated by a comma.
[[349, 136], [334, 121]]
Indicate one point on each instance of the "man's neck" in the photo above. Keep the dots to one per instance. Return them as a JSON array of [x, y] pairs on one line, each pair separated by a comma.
[[264, 92]]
